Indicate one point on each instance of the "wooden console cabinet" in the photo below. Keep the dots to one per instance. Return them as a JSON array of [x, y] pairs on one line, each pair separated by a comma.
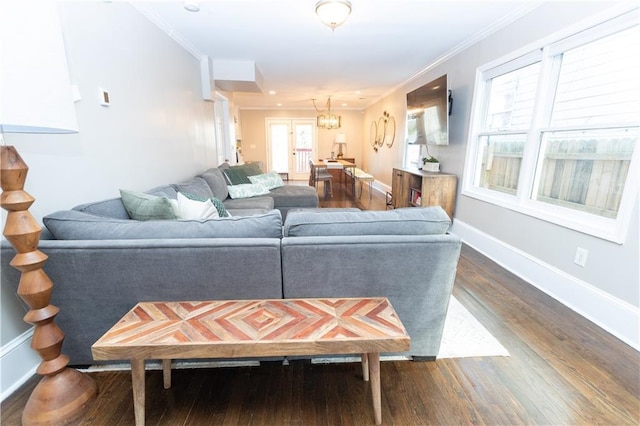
[[417, 188]]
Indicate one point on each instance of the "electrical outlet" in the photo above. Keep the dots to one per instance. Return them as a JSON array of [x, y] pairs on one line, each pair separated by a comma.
[[581, 257]]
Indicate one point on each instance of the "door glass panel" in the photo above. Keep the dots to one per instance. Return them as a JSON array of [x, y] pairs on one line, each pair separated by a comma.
[[303, 145], [279, 148]]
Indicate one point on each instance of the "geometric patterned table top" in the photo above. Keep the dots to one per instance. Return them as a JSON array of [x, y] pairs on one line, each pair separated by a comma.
[[241, 328]]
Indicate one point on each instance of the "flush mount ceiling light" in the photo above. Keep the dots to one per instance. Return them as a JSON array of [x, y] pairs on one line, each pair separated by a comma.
[[333, 13], [192, 6]]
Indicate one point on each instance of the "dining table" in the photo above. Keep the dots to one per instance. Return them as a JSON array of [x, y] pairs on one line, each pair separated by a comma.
[[335, 164]]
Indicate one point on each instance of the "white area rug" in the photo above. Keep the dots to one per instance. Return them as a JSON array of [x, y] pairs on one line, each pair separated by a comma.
[[465, 337]]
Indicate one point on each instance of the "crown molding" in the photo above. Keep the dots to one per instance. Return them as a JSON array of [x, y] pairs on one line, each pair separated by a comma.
[[481, 35], [168, 29]]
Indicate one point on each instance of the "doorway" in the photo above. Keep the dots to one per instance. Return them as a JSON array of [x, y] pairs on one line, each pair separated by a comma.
[[291, 143], [225, 148]]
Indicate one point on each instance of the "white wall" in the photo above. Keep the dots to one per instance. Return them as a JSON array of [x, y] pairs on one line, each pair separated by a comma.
[[611, 275], [157, 130], [254, 143]]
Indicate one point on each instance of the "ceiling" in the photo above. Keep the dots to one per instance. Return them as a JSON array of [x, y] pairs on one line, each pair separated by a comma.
[[382, 45]]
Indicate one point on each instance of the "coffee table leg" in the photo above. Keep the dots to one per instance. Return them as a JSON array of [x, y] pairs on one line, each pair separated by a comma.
[[365, 367], [137, 382], [374, 376], [166, 373]]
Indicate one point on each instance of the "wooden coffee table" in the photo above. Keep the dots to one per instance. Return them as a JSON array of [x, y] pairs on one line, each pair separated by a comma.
[[253, 328]]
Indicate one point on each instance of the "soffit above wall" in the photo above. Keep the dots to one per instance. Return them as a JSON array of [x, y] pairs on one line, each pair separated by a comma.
[[237, 76]]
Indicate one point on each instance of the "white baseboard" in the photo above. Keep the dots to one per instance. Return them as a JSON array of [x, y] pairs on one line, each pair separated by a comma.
[[616, 316], [18, 363], [380, 187]]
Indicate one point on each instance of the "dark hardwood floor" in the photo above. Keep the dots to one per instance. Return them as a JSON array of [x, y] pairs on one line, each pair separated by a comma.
[[563, 370]]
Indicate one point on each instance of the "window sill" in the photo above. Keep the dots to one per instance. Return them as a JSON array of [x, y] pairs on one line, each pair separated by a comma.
[[613, 230]]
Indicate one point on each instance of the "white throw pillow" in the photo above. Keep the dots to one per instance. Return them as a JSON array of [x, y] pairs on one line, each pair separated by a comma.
[[192, 209]]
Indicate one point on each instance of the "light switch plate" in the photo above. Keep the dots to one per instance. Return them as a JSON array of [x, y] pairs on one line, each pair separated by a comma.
[[104, 97]]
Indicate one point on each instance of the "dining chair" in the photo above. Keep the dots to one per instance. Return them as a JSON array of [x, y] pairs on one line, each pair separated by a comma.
[[320, 174]]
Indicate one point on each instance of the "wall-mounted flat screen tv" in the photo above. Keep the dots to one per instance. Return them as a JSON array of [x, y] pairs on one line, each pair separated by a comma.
[[428, 109]]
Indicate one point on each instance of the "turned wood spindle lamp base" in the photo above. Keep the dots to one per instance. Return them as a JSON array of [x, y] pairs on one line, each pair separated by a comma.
[[63, 393]]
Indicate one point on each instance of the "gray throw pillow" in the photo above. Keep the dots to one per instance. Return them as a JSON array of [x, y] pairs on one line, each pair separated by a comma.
[[141, 206]]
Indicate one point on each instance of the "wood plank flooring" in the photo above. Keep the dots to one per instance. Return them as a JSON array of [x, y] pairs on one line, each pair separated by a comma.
[[563, 370]]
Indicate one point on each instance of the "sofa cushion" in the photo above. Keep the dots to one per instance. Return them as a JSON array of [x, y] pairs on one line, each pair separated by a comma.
[[165, 190], [112, 207], [406, 221], [247, 190], [75, 225], [196, 186], [262, 203], [216, 181], [271, 180], [247, 212], [294, 196], [141, 206]]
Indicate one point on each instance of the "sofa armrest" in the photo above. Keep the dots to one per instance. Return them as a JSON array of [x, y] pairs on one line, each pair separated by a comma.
[[98, 281], [416, 273]]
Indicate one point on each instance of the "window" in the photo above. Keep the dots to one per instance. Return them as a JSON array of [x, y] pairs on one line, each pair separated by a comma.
[[413, 154], [506, 122], [586, 170], [555, 131]]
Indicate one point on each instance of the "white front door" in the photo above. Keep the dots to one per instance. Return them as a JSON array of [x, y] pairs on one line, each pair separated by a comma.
[[291, 143]]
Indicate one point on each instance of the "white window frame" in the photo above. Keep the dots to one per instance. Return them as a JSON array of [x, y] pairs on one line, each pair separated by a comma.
[[614, 230]]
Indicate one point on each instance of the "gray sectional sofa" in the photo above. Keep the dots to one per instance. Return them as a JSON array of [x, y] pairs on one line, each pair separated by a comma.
[[102, 263], [109, 219]]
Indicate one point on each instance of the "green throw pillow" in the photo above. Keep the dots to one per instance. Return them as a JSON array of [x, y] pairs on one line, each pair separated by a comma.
[[236, 176], [251, 169], [141, 206], [271, 180], [247, 190], [219, 205]]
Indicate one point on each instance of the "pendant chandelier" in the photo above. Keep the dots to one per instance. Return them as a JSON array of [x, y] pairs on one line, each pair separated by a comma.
[[327, 120]]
